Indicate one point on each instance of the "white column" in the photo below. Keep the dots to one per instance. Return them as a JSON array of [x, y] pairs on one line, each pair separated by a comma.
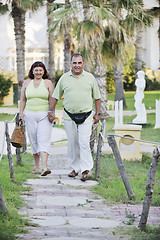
[[121, 112], [116, 113], [157, 125]]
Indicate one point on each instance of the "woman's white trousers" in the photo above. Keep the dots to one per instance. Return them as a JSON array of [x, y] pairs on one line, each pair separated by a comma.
[[39, 131]]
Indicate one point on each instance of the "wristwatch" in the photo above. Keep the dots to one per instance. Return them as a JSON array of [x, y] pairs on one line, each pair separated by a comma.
[[98, 114]]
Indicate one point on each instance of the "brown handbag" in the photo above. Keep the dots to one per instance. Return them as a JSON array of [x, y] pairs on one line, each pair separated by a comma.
[[17, 136]]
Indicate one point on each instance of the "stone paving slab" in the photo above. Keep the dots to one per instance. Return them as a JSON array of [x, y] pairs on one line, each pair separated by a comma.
[[66, 208]]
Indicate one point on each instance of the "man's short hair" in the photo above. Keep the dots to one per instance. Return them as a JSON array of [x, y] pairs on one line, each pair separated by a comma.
[[76, 55]]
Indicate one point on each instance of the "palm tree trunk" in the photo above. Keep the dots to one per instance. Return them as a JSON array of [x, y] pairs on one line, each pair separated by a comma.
[[118, 79], [51, 63], [19, 29], [100, 75], [138, 44], [67, 46], [67, 50]]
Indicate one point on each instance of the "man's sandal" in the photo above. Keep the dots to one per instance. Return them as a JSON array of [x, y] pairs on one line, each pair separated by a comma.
[[85, 176], [73, 174]]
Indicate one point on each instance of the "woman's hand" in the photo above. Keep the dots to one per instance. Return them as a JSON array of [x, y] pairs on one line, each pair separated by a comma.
[[21, 117], [51, 116]]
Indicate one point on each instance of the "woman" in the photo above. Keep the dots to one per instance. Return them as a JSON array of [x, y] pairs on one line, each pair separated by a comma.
[[34, 104]]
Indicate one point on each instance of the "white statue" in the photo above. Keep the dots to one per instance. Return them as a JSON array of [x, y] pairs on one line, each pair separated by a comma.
[[139, 106]]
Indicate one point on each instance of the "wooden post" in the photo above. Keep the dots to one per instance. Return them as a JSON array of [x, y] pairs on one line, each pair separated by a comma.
[[93, 137], [99, 149], [25, 139], [149, 189], [18, 151], [116, 153], [2, 202], [9, 152]]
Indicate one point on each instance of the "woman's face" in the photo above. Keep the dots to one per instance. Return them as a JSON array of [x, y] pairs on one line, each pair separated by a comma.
[[38, 72]]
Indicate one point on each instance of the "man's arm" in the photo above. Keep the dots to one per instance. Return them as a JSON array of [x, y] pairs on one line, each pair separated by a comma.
[[51, 111], [98, 110]]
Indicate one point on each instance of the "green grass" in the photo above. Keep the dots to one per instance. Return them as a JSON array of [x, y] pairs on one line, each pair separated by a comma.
[[149, 99], [14, 223], [133, 233], [111, 186], [148, 133], [6, 117], [9, 106]]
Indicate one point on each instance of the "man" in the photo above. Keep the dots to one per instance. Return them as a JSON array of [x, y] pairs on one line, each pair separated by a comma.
[[79, 89]]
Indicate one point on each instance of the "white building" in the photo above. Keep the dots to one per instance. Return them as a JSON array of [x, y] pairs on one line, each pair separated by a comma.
[[151, 48], [36, 44]]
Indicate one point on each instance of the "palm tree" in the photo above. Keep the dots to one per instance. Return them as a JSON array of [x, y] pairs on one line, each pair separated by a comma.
[[18, 15], [51, 38], [19, 8], [67, 43], [63, 25], [103, 14]]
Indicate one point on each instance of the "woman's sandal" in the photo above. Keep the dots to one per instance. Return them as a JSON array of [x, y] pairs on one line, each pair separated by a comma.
[[35, 170], [45, 171]]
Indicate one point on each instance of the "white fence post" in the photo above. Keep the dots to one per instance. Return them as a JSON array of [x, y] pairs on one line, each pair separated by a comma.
[[118, 113], [157, 125]]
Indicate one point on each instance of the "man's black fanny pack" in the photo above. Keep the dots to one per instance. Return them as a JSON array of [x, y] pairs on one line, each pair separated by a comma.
[[78, 118]]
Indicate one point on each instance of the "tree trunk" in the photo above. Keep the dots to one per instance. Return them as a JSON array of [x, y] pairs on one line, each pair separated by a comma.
[[149, 190], [67, 50], [19, 29], [113, 145], [118, 80], [9, 152], [2, 202], [67, 46], [51, 63], [100, 75], [138, 44]]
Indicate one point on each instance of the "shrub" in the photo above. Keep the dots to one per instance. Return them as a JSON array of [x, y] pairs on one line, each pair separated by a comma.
[[152, 84], [5, 85]]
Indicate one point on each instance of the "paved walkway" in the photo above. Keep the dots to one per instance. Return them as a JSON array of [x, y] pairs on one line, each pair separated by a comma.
[[67, 209]]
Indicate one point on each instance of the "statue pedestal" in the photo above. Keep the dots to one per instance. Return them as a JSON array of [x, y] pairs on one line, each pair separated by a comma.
[[129, 149], [141, 115]]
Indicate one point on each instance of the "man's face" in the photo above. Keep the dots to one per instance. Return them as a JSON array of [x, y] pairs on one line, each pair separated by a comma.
[[77, 65]]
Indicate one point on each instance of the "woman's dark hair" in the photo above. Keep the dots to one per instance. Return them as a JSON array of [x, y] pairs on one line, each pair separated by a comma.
[[38, 64]]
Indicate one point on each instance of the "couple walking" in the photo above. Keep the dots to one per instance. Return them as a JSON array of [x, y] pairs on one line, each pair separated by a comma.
[[37, 108]]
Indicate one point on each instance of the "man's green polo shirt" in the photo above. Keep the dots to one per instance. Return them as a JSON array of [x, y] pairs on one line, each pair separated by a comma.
[[78, 92]]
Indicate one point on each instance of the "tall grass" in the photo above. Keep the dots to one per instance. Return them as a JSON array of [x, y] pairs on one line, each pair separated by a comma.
[[13, 223], [111, 186]]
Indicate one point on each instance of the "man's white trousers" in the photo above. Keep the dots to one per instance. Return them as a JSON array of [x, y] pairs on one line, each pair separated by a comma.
[[79, 152]]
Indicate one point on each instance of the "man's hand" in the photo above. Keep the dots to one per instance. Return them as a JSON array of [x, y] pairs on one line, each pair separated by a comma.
[[51, 116], [96, 118]]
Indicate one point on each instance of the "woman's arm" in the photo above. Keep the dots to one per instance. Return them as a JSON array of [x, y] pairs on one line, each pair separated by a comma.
[[23, 99]]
